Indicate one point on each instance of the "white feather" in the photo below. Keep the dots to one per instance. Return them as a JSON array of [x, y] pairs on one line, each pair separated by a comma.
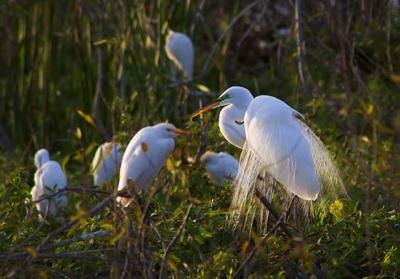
[[179, 49], [106, 163], [50, 178], [144, 157]]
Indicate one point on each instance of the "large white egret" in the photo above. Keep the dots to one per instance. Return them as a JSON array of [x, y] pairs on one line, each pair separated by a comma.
[[275, 141], [106, 162], [179, 49], [49, 178], [219, 166], [145, 156]]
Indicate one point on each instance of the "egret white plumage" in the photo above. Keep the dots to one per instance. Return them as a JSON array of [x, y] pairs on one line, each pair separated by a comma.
[[106, 162], [145, 156], [49, 178], [179, 49], [274, 139], [219, 166]]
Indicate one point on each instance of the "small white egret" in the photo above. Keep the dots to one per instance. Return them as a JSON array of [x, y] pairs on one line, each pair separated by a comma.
[[106, 162], [275, 141], [49, 178], [145, 156], [179, 49], [219, 166]]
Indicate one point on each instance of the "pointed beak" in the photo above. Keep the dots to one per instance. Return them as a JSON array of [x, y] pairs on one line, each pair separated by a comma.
[[206, 108], [180, 132]]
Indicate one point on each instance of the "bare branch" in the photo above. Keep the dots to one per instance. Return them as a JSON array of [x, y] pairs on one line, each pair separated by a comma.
[[173, 241], [99, 91]]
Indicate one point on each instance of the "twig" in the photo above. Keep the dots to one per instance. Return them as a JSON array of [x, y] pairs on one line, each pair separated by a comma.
[[203, 143], [90, 213], [273, 212], [67, 255], [228, 28], [5, 141], [79, 238], [173, 241], [96, 102], [317, 271], [300, 40], [255, 249]]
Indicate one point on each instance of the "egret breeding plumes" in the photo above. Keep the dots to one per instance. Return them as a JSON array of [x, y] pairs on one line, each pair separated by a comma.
[[145, 156], [275, 140], [106, 162], [219, 166], [49, 179], [179, 49]]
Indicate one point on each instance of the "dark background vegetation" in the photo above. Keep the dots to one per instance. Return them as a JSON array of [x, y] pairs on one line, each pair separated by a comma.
[[75, 73]]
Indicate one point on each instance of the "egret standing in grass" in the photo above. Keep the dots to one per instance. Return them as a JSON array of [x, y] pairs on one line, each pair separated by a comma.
[[49, 178], [219, 166], [274, 139], [179, 49], [106, 162], [145, 156]]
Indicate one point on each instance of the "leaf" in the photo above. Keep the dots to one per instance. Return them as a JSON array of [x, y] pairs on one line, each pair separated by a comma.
[[169, 165], [172, 266], [145, 147], [78, 133], [107, 226], [203, 88], [101, 42], [87, 117], [395, 78], [31, 250]]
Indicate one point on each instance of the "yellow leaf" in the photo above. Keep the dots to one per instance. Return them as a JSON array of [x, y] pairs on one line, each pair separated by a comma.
[[365, 139], [31, 250], [108, 149], [370, 109], [87, 117], [203, 88], [78, 133], [395, 78], [169, 164], [145, 147], [336, 209], [100, 42], [172, 265], [107, 226], [245, 246], [118, 236]]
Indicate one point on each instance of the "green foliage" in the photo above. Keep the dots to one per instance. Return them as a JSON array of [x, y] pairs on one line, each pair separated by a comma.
[[57, 54]]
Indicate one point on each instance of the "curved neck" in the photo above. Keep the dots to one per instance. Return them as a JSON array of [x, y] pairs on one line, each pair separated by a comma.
[[231, 125]]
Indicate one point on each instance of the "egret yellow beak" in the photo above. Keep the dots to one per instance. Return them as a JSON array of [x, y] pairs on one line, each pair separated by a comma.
[[180, 132], [206, 108]]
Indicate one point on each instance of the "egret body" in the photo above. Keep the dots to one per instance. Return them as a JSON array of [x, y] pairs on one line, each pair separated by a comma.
[[219, 166], [106, 162], [145, 155], [179, 49], [49, 178], [274, 139]]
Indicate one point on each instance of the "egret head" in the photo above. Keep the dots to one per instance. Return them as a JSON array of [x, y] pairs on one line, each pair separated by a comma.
[[208, 158], [168, 130], [235, 95], [42, 156]]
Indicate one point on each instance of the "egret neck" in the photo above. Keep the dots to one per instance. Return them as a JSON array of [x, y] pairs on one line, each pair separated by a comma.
[[231, 117]]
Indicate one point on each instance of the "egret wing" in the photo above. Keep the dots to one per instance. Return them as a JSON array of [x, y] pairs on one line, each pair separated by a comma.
[[278, 141]]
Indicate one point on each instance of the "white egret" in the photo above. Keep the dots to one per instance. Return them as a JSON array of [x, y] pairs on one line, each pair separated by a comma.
[[275, 141], [49, 178], [219, 166], [179, 49], [106, 162], [145, 156]]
